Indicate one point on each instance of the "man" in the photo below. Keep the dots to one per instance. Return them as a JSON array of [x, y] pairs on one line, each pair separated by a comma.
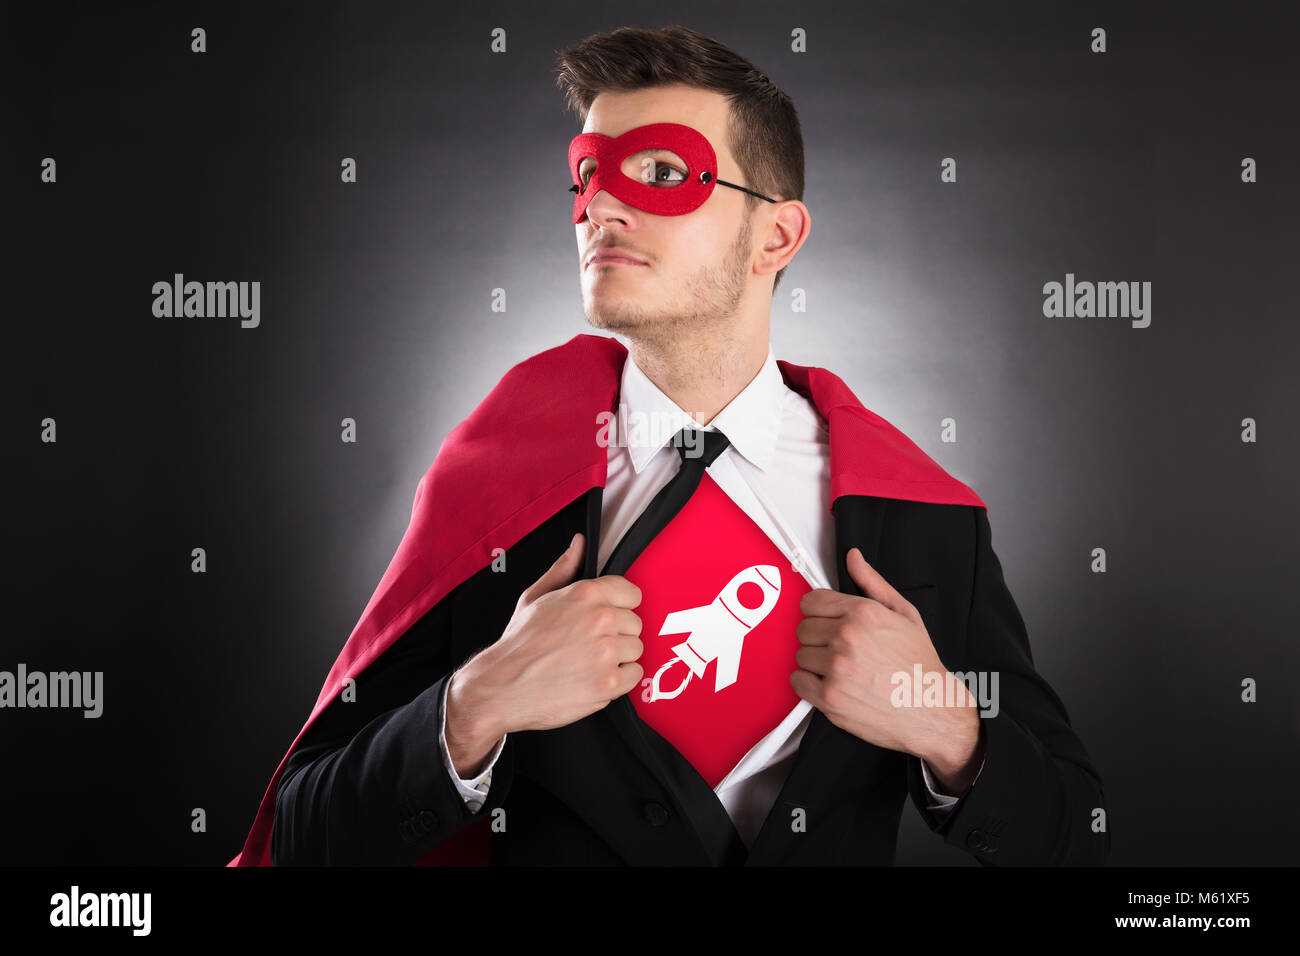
[[725, 665]]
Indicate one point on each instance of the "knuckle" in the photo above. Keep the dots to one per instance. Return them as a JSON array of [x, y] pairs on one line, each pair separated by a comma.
[[839, 666], [624, 584]]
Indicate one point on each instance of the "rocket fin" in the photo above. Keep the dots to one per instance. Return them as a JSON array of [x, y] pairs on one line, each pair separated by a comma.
[[681, 622]]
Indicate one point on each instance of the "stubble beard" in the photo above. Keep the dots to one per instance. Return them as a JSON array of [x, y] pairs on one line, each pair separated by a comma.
[[711, 297]]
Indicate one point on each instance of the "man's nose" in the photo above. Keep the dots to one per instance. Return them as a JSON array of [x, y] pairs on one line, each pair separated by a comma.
[[604, 205]]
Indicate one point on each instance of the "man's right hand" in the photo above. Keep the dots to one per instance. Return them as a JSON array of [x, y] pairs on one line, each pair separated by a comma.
[[569, 649]]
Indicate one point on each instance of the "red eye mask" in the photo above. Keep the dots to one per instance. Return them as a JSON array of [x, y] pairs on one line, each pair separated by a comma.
[[615, 155]]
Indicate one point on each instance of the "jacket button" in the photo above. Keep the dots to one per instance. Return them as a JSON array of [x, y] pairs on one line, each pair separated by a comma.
[[977, 840], [428, 820], [656, 814]]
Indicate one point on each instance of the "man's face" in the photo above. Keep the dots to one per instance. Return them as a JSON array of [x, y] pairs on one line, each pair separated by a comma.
[[692, 270]]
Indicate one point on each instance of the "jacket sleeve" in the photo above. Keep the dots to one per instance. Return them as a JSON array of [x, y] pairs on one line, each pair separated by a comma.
[[1037, 796], [367, 784]]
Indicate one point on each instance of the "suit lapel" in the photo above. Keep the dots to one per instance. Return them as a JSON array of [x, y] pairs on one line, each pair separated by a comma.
[[825, 749]]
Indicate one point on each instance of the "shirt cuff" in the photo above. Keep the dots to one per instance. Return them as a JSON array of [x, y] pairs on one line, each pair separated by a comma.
[[474, 791], [942, 801]]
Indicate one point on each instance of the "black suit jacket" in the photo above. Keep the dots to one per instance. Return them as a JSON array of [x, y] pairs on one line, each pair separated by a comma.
[[367, 784]]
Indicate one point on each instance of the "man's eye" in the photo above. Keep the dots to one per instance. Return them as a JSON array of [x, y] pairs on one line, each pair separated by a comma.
[[656, 172], [665, 172]]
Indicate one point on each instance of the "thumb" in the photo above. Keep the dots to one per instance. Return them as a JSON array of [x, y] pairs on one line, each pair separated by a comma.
[[559, 574], [873, 583]]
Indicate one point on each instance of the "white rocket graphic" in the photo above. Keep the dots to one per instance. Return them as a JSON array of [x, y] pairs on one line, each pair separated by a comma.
[[717, 631]]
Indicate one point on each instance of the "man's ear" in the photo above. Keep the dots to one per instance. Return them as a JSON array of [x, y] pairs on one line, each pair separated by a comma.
[[786, 228]]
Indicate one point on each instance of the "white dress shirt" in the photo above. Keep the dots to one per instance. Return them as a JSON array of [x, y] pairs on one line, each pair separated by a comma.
[[777, 469]]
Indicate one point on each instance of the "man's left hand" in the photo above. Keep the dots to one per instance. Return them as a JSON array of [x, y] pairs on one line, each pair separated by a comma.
[[852, 647]]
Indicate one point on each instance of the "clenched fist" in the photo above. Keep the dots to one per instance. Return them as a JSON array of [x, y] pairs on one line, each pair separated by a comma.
[[569, 649]]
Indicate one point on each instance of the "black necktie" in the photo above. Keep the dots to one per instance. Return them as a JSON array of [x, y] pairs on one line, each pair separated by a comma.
[[671, 498]]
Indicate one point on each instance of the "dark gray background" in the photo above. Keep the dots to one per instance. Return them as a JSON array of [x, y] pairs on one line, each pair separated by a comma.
[[924, 297]]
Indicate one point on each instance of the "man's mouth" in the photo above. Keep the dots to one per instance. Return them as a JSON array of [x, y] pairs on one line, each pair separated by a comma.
[[604, 258]]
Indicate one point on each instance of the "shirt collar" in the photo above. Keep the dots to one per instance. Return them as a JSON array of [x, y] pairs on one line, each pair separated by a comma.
[[751, 420]]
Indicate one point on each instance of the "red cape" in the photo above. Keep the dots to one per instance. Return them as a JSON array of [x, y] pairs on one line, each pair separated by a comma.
[[524, 453]]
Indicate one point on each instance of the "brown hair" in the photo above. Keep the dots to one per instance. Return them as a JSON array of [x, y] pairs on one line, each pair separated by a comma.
[[763, 129]]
